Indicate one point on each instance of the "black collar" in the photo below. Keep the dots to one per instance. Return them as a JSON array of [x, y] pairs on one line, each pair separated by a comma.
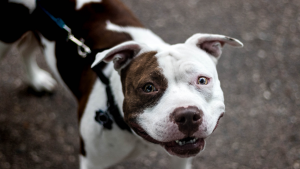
[[112, 113]]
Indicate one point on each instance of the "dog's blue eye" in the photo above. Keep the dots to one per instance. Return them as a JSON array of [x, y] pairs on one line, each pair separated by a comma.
[[149, 88], [202, 80]]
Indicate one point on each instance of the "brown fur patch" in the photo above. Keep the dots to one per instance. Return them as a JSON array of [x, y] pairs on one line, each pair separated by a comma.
[[142, 70]]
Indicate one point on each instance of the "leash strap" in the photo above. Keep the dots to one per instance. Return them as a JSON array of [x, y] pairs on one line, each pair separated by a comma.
[[83, 50]]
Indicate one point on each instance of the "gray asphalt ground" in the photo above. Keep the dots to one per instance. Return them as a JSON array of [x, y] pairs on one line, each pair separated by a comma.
[[260, 129]]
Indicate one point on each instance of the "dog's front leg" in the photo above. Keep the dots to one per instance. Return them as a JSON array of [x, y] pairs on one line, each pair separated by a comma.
[[181, 163], [37, 78]]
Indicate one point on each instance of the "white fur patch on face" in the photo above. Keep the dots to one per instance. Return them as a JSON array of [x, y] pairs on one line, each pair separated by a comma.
[[30, 4], [182, 65], [140, 35], [80, 3]]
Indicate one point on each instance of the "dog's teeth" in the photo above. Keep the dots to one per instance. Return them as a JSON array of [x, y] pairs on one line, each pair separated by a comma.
[[181, 143], [192, 141]]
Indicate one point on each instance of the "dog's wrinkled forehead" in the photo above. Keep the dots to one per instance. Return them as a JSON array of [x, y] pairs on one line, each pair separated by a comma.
[[180, 60]]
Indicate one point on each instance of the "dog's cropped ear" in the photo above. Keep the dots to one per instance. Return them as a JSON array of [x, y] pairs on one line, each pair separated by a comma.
[[121, 54], [212, 43]]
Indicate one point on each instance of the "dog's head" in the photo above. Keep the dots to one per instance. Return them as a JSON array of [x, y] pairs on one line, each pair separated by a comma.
[[172, 97]]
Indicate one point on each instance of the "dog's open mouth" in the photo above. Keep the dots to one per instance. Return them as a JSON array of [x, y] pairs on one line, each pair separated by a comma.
[[187, 147]]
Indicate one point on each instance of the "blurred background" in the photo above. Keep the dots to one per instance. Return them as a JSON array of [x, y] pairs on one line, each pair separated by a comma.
[[261, 127]]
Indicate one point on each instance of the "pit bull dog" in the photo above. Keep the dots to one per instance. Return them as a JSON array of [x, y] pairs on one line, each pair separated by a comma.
[[142, 93]]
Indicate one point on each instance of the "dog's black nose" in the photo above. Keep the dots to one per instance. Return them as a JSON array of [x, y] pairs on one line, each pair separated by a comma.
[[188, 119]]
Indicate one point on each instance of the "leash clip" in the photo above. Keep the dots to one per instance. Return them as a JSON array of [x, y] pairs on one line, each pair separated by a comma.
[[82, 49]]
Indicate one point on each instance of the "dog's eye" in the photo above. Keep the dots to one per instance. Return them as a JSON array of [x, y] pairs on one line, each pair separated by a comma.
[[202, 80], [149, 88]]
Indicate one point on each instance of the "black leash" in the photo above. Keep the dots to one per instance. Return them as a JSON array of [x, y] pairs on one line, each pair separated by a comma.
[[112, 113]]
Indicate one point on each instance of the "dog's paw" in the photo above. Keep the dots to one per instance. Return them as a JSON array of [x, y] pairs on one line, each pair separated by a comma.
[[41, 81]]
